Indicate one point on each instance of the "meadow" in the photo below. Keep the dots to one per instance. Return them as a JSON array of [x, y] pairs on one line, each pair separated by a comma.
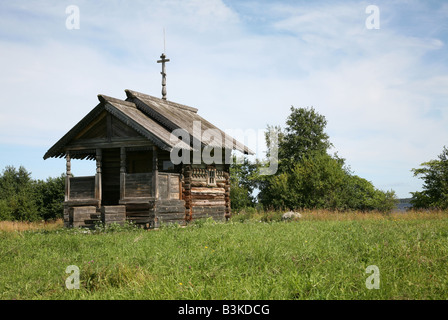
[[254, 256]]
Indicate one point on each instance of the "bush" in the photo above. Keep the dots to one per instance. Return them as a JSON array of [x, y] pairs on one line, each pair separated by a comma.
[[434, 174], [49, 196], [5, 210], [24, 199]]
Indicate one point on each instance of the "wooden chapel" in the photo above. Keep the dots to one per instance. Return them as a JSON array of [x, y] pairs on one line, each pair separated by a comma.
[[132, 142]]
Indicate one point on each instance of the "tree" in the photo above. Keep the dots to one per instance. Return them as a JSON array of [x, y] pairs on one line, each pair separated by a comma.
[[308, 177], [304, 134], [362, 195], [24, 199], [16, 195], [434, 174], [311, 183], [242, 183], [13, 181], [49, 197]]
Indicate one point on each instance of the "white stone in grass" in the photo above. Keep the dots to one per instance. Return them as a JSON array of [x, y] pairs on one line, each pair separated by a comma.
[[291, 215]]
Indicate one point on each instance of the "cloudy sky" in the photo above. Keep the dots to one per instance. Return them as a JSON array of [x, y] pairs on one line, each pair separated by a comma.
[[384, 92]]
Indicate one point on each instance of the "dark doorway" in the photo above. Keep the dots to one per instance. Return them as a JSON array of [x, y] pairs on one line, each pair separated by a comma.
[[110, 177]]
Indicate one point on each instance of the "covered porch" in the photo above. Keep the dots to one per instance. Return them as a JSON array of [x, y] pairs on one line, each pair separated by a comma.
[[135, 184]]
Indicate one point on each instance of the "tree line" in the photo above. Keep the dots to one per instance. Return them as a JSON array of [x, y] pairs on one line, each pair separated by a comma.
[[25, 199], [309, 177]]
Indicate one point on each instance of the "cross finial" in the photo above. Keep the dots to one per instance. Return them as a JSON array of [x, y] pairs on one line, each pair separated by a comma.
[[163, 73]]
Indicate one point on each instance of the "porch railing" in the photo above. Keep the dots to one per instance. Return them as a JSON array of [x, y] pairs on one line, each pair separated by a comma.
[[82, 188], [137, 185], [141, 186]]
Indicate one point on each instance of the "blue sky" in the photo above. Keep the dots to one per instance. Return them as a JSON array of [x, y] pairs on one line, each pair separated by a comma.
[[242, 64]]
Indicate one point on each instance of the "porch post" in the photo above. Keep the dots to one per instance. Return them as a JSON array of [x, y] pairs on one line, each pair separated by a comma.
[[122, 172], [68, 175], [98, 182], [155, 171]]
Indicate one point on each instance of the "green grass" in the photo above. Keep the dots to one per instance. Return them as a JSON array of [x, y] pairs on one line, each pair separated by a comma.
[[313, 258]]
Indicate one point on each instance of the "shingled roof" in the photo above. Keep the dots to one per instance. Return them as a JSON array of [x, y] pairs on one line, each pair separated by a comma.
[[154, 119]]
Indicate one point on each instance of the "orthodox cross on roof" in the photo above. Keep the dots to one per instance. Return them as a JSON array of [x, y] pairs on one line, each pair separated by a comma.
[[163, 73]]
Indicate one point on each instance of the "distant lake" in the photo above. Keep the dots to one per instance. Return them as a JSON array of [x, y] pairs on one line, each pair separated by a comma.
[[404, 204]]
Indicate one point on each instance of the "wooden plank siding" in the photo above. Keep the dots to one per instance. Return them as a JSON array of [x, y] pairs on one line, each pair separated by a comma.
[[138, 185], [82, 188], [169, 186]]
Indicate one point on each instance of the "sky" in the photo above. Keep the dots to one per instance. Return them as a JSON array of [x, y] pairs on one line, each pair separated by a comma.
[[379, 76]]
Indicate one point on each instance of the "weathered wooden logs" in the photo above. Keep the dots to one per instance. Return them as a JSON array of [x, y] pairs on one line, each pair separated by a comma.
[[113, 214], [79, 215]]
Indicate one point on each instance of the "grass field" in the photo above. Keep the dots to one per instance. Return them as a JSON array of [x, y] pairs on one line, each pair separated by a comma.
[[255, 256]]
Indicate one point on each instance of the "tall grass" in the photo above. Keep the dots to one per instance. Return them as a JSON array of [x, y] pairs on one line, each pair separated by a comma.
[[320, 256], [12, 226], [332, 215]]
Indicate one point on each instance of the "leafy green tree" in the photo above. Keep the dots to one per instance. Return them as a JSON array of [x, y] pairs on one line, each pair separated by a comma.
[[308, 177], [362, 195], [320, 181], [14, 181], [311, 183], [24, 199], [242, 183], [23, 207], [434, 174], [16, 195], [49, 197], [6, 213], [304, 134]]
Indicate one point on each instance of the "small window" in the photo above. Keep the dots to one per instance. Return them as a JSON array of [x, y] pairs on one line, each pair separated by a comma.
[[211, 176]]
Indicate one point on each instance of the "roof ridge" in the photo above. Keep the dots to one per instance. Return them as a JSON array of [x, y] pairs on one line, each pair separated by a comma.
[[136, 94], [104, 98]]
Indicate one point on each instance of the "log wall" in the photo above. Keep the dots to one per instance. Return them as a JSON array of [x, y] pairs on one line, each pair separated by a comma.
[[142, 214], [170, 211], [113, 214], [204, 198], [186, 192], [78, 216]]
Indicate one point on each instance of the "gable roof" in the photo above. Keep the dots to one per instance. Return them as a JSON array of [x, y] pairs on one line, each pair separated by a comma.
[[154, 119], [177, 116]]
